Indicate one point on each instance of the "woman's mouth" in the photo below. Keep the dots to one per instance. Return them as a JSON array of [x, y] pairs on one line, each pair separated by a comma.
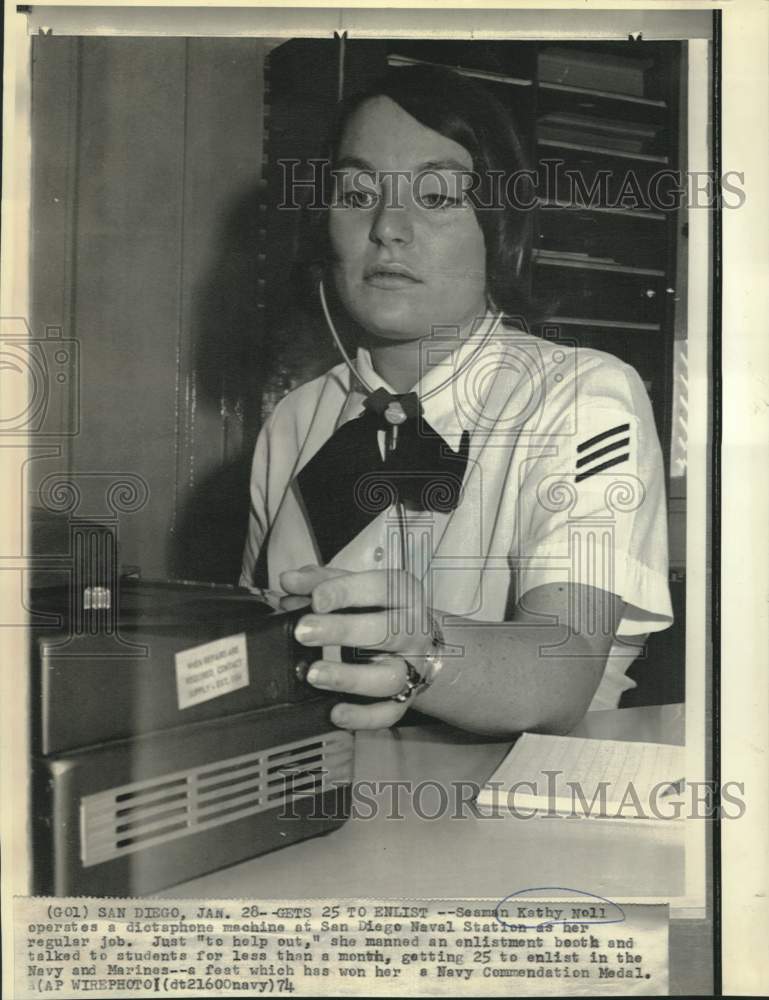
[[390, 276]]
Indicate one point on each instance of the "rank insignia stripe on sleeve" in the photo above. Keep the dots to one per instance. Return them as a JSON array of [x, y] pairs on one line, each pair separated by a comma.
[[603, 451]]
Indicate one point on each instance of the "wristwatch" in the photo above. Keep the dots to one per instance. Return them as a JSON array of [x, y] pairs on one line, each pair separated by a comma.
[[416, 682]]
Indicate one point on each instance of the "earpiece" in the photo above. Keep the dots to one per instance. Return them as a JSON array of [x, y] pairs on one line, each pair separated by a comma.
[[337, 339], [348, 360]]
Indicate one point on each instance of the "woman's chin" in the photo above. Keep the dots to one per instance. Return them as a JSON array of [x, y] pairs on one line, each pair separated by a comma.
[[395, 336], [391, 325]]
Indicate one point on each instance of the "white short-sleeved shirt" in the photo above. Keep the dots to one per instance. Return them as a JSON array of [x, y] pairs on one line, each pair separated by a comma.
[[564, 483]]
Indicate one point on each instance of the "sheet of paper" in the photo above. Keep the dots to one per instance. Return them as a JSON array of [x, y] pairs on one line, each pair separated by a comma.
[[612, 776]]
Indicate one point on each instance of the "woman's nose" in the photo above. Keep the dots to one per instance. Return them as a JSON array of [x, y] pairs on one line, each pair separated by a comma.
[[393, 224]]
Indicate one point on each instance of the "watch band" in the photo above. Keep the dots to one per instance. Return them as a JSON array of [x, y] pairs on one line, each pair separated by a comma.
[[414, 684], [417, 682]]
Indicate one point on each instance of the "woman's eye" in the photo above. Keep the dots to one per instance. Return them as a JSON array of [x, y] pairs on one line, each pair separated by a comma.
[[358, 199], [439, 200]]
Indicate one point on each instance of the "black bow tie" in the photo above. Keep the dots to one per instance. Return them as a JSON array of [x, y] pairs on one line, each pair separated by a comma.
[[347, 483], [381, 401]]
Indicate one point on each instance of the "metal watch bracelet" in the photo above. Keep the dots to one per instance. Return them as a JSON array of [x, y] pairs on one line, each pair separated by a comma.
[[417, 682]]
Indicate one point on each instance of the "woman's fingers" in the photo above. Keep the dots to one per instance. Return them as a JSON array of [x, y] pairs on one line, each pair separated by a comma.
[[369, 630], [335, 589], [402, 626], [395, 628], [382, 715], [292, 602], [391, 630], [369, 589], [305, 579], [381, 678]]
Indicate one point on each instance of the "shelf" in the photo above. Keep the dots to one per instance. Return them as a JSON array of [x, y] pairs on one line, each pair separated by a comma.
[[607, 94], [602, 151], [480, 74], [579, 121], [633, 213], [605, 324], [587, 264]]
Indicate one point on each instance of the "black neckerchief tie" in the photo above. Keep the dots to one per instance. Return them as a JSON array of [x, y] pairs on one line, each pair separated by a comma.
[[347, 483]]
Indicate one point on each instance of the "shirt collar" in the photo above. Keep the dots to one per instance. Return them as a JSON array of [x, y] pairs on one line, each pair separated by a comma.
[[450, 392]]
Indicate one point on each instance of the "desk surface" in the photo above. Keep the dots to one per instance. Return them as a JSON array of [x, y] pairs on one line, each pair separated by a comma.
[[467, 857]]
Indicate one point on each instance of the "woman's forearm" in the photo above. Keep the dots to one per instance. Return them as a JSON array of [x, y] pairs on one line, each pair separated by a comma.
[[523, 675], [538, 671], [506, 678]]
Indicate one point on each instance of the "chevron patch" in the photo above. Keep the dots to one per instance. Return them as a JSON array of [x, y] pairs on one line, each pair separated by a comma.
[[602, 451]]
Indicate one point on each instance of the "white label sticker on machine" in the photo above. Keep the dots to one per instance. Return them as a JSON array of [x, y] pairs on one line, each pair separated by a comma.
[[211, 670]]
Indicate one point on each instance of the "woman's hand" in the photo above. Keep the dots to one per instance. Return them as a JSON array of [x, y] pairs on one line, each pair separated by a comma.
[[397, 622]]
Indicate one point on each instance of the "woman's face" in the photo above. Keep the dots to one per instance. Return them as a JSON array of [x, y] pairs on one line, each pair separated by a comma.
[[409, 253]]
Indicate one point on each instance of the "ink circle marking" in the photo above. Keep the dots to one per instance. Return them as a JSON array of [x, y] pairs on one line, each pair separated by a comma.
[[598, 909]]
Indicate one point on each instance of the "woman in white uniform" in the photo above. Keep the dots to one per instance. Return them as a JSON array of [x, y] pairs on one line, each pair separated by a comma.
[[479, 509]]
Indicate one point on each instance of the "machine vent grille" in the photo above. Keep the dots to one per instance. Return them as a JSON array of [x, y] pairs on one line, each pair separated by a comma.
[[143, 814]]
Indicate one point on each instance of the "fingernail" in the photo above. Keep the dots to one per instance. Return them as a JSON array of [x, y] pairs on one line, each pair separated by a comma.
[[314, 674], [340, 715], [306, 632]]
